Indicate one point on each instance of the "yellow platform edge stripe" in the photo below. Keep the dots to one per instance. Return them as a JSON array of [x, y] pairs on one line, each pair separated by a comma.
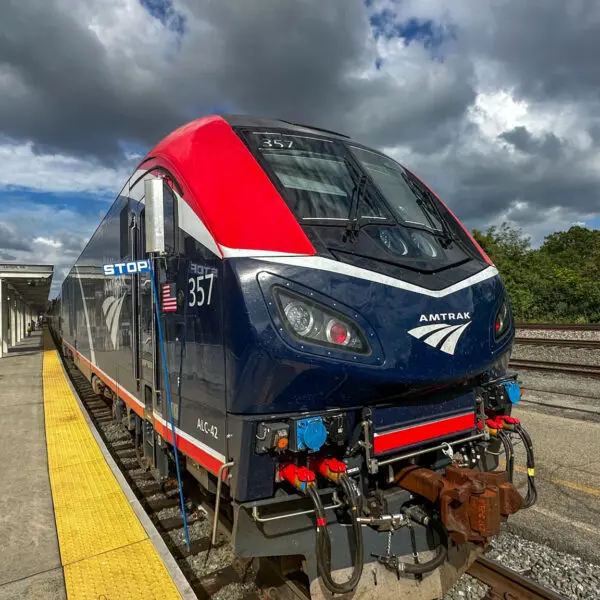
[[105, 551]]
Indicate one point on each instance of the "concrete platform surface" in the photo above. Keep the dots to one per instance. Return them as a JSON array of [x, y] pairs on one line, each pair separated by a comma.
[[567, 473], [30, 565]]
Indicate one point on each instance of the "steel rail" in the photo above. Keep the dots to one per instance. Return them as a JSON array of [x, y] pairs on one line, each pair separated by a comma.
[[557, 342], [567, 368], [508, 584], [559, 326], [273, 584]]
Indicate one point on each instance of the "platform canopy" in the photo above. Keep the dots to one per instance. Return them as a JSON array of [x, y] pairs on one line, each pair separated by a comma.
[[31, 282]]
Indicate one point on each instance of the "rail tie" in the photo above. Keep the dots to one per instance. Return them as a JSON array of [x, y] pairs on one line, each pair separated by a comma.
[[271, 583]]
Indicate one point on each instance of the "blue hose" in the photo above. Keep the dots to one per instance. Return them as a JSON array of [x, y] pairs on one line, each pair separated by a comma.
[[161, 343]]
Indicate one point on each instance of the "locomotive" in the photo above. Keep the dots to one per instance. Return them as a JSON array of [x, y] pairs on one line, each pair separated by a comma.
[[335, 348]]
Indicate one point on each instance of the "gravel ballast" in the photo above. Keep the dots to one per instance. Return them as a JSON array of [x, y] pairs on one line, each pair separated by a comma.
[[573, 334], [467, 588], [565, 574], [568, 575], [560, 383], [557, 354]]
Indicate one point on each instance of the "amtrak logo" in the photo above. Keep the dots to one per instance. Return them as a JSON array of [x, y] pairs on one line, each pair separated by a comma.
[[441, 336], [111, 307]]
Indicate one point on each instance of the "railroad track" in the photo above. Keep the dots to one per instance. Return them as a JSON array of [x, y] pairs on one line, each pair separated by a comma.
[[558, 326], [567, 368], [207, 575], [213, 576], [589, 344], [507, 584]]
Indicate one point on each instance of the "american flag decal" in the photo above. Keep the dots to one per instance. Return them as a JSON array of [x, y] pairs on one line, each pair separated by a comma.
[[169, 298]]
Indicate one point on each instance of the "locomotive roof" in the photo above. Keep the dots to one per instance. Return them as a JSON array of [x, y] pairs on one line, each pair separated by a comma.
[[253, 121]]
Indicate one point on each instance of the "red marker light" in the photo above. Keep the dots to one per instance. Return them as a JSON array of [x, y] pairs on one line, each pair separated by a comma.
[[338, 333]]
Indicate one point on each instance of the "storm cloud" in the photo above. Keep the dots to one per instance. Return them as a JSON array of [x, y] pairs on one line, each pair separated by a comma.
[[494, 104]]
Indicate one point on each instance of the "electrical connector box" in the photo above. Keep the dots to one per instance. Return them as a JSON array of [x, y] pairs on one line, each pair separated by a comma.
[[271, 436], [513, 391], [337, 429], [307, 434]]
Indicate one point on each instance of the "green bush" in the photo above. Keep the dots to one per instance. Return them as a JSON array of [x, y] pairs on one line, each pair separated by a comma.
[[557, 282]]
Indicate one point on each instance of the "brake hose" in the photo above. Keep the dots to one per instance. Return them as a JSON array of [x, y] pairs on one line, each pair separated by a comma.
[[531, 497], [324, 541], [509, 453]]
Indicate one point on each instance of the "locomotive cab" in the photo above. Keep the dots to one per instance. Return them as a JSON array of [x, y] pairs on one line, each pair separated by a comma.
[[336, 348]]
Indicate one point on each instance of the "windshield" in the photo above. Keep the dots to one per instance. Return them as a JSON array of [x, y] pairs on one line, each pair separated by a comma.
[[395, 184], [317, 176], [319, 180], [340, 187]]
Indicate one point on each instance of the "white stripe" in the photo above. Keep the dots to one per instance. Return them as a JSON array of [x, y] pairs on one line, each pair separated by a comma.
[[114, 328], [110, 316], [450, 344], [87, 319], [109, 378], [107, 304], [191, 223], [120, 388], [435, 338], [419, 332], [190, 439], [242, 253], [334, 266], [186, 436]]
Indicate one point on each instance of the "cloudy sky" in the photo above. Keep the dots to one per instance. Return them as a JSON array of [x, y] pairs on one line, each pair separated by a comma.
[[495, 103]]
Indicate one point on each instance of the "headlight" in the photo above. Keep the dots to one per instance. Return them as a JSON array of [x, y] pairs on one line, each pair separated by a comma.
[[300, 317], [315, 323], [502, 320]]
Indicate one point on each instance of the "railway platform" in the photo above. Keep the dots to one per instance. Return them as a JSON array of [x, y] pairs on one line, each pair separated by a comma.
[[70, 525]]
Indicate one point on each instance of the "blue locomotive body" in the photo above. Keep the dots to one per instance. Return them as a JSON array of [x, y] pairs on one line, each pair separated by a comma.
[[336, 346], [273, 371]]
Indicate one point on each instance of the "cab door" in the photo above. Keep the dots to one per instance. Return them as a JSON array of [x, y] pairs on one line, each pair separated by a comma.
[[151, 388]]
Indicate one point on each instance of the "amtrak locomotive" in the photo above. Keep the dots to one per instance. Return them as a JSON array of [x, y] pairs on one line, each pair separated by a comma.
[[336, 349]]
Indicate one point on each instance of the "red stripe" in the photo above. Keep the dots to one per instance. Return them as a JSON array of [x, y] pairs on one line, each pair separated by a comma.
[[204, 458], [244, 211], [422, 432], [121, 392]]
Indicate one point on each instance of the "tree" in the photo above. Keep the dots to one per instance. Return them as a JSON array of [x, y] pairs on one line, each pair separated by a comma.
[[560, 281]]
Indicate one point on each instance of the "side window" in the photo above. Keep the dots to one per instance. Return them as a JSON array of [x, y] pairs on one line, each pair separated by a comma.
[[170, 219], [142, 235], [124, 233]]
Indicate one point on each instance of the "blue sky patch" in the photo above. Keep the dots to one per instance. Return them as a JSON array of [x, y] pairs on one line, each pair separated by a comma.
[[426, 32], [163, 11], [84, 204], [593, 223]]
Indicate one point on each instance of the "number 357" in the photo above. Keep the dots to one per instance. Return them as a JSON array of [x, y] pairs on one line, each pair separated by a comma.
[[201, 288]]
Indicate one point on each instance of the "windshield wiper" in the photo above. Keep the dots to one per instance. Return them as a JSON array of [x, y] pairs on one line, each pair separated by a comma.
[[357, 194], [427, 204]]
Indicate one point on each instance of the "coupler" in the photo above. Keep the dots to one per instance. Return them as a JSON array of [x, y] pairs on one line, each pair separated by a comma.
[[472, 503]]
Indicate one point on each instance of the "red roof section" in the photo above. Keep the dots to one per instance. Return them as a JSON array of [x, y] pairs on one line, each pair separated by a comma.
[[226, 187]]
